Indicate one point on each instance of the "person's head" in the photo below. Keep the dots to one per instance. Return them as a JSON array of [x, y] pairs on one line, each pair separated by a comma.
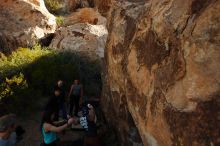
[[48, 116], [59, 83], [76, 81], [57, 91], [7, 124]]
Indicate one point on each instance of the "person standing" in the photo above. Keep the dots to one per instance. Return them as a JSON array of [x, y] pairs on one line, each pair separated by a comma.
[[62, 104], [75, 95], [54, 103]]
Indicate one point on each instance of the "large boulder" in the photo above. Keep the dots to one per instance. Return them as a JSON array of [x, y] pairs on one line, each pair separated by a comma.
[[23, 23], [64, 7], [61, 7], [162, 71], [84, 32], [85, 39]]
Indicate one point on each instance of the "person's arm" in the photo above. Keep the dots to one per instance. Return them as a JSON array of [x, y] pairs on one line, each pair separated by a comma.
[[51, 128], [60, 123], [91, 115], [71, 90]]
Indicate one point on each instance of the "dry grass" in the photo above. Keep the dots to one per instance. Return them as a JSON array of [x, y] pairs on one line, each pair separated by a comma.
[[87, 15], [84, 15], [104, 5]]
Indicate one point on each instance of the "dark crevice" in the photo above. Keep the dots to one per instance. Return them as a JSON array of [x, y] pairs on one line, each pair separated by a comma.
[[45, 42]]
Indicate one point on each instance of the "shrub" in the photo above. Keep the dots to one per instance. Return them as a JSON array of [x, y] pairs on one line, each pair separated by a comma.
[[54, 6], [18, 60], [30, 74], [11, 85], [59, 20]]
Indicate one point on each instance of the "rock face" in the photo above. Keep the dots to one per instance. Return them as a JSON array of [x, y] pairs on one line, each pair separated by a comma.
[[162, 71], [23, 22], [82, 37], [69, 6]]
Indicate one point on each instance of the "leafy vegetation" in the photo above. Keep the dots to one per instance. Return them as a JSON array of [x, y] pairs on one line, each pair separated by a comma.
[[9, 86], [30, 74], [54, 6], [17, 61], [59, 20]]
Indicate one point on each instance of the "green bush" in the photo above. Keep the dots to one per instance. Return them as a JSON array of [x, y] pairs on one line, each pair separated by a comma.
[[30, 74], [53, 6], [18, 60], [59, 20], [11, 85]]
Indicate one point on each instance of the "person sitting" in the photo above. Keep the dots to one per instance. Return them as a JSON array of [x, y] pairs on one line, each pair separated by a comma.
[[7, 130], [50, 130]]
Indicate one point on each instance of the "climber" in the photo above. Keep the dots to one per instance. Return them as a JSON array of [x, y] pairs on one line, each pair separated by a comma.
[[88, 121], [7, 130], [54, 103], [75, 97], [50, 129], [62, 104]]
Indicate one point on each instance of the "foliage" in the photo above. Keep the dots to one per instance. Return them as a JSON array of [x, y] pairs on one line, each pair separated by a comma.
[[54, 6], [59, 20], [15, 96], [30, 74], [16, 62], [11, 85]]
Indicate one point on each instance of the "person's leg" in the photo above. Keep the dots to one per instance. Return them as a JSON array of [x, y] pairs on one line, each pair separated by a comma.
[[76, 103], [63, 109], [71, 106], [56, 116]]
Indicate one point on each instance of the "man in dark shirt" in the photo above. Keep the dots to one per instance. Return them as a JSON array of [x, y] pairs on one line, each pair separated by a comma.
[[62, 104], [54, 103]]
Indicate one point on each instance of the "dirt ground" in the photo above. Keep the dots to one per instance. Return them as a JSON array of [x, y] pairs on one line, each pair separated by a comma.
[[33, 137]]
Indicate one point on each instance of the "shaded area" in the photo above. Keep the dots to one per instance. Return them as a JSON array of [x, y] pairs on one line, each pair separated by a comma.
[[42, 74], [201, 125]]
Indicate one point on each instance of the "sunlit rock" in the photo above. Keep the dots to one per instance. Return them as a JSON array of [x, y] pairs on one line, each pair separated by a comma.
[[162, 67], [23, 23]]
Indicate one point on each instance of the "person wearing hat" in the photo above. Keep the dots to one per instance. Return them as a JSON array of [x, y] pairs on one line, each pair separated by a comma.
[[7, 130]]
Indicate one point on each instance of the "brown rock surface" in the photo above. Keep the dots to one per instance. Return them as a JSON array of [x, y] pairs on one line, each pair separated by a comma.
[[69, 6], [84, 32], [162, 71], [81, 38], [23, 22]]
